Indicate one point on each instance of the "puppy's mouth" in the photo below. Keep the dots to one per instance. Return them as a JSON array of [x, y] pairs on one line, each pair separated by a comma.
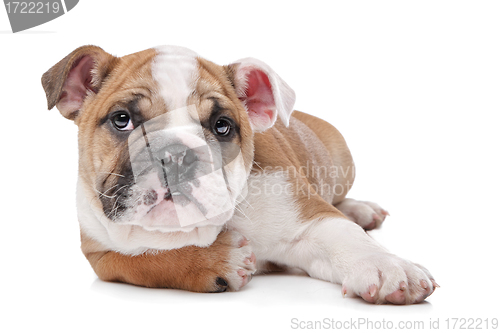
[[154, 204], [168, 195], [180, 195]]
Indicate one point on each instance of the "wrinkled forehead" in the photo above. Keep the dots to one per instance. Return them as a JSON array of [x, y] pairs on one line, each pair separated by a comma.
[[162, 79], [175, 71]]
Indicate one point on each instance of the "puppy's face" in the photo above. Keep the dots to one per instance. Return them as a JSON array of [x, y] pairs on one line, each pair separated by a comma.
[[171, 145], [165, 137]]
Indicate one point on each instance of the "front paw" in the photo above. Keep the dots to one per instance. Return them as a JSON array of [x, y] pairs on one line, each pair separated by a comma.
[[240, 262], [386, 278], [232, 265]]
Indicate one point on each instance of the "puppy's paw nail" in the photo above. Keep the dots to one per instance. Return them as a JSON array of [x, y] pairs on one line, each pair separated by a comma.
[[221, 283], [250, 260], [243, 241], [403, 286], [344, 291], [242, 273], [424, 284], [434, 283], [373, 290]]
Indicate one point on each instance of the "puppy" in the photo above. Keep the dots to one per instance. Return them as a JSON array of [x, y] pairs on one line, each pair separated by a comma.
[[195, 176]]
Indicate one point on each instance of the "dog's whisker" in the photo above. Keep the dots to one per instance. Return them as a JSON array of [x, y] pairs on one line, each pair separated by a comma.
[[101, 194], [112, 173], [246, 202], [242, 212], [257, 164]]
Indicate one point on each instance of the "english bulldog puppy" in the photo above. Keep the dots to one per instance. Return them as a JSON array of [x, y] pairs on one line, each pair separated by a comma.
[[195, 176]]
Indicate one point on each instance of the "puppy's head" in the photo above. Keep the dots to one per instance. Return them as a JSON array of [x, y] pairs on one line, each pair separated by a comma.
[[165, 137]]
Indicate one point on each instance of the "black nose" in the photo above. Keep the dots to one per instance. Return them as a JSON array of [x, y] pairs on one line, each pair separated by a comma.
[[177, 161]]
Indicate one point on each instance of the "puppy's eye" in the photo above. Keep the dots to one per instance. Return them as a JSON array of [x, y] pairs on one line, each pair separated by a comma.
[[122, 121], [222, 127]]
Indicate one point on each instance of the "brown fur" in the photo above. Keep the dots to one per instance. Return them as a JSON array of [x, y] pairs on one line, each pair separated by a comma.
[[284, 148], [336, 147], [188, 268]]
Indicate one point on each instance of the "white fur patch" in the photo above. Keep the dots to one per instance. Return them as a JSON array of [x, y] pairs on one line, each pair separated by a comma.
[[324, 248], [175, 70], [268, 216]]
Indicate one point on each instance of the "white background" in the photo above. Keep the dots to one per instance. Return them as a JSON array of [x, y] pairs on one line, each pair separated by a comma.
[[413, 87]]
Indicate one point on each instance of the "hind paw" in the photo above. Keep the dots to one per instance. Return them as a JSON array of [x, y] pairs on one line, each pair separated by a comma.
[[368, 215]]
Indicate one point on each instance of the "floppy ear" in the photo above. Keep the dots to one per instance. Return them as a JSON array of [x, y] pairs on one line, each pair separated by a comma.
[[68, 82], [264, 94]]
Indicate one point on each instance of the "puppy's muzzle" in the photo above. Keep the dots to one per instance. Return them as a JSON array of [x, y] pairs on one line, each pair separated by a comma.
[[181, 176]]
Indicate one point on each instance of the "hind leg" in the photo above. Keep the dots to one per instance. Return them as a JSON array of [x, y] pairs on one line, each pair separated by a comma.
[[368, 215]]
